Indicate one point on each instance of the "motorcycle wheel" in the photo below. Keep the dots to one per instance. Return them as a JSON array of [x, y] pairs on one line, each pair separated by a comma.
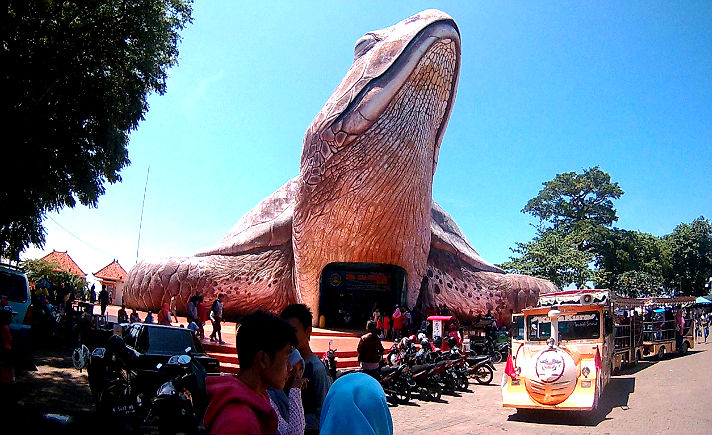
[[496, 357], [463, 383], [434, 392], [402, 394], [483, 375]]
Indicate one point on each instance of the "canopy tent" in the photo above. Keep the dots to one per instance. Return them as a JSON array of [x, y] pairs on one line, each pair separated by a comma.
[[703, 300]]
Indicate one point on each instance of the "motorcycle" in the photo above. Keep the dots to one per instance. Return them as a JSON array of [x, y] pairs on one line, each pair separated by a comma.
[[480, 368], [397, 383], [486, 347], [425, 378], [111, 381], [181, 400], [329, 361]]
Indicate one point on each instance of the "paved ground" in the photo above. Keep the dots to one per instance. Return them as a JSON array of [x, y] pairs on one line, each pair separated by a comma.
[[667, 397]]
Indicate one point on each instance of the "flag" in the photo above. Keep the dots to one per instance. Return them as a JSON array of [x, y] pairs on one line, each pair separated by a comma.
[[509, 368], [597, 360]]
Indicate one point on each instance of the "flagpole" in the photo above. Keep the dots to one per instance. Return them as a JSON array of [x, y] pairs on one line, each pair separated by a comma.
[[143, 203]]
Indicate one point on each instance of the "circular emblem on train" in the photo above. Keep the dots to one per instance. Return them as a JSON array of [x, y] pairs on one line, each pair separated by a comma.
[[335, 280], [549, 366]]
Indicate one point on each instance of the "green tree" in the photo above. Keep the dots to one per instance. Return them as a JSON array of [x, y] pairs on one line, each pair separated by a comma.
[[52, 272], [690, 247], [75, 80], [644, 257], [554, 255], [571, 198], [637, 284]]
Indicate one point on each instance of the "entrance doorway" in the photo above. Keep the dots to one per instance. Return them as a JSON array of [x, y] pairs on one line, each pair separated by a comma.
[[348, 292]]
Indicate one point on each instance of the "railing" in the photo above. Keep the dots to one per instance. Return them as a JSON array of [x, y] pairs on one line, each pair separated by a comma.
[[663, 330]]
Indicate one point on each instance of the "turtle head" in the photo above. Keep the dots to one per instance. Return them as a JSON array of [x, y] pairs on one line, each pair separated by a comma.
[[400, 89]]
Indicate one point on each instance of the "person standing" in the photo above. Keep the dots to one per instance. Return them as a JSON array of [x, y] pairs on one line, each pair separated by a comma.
[[202, 317], [216, 315], [103, 299], [318, 379], [370, 350], [386, 327], [397, 323], [164, 316]]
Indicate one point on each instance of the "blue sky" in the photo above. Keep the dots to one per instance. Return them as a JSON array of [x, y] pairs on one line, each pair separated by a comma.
[[545, 88]]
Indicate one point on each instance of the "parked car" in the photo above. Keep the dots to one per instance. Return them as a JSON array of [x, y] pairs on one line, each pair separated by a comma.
[[157, 343], [14, 286]]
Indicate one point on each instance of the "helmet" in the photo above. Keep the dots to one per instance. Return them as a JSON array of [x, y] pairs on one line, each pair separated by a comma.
[[438, 341], [421, 336], [425, 342], [452, 342]]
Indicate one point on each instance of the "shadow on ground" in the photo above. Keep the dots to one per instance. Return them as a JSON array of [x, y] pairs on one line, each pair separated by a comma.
[[615, 395]]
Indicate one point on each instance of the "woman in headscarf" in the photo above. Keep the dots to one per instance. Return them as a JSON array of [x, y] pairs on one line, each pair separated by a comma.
[[287, 403], [356, 404]]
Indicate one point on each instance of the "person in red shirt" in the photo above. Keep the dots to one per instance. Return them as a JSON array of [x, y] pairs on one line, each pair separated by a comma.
[[164, 316], [386, 327], [397, 323], [202, 316], [240, 404]]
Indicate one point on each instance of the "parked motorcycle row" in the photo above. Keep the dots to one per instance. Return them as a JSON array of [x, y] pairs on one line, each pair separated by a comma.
[[171, 398], [425, 370]]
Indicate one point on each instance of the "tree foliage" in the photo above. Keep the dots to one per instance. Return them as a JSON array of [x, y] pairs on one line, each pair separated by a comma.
[[621, 251], [52, 272], [690, 248], [576, 243], [553, 255], [75, 80], [571, 198]]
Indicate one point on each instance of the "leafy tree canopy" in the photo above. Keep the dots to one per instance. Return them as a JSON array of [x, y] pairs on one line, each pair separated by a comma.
[[571, 198], [52, 272], [553, 255], [75, 80], [690, 248]]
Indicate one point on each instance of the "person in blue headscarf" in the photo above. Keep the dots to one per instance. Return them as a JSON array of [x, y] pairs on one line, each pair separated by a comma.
[[356, 401]]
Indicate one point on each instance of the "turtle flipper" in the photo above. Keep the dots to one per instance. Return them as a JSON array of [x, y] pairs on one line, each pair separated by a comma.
[[261, 279]]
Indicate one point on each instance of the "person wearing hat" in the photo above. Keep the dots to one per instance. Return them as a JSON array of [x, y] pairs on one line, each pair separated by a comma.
[[287, 403]]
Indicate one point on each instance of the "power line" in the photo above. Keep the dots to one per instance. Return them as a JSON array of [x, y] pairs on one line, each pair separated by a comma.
[[78, 238]]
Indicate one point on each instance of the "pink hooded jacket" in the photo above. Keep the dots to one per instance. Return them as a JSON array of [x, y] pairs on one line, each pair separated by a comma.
[[234, 408]]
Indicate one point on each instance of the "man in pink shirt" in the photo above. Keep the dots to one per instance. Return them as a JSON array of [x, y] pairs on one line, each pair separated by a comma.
[[240, 404]]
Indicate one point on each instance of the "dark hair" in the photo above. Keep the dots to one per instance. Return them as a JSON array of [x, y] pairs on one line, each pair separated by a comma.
[[300, 312], [370, 325], [262, 331]]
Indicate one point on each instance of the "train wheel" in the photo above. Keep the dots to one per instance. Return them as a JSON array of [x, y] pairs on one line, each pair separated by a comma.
[[661, 353], [685, 348]]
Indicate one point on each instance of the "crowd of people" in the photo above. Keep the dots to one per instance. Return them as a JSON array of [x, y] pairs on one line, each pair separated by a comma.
[[284, 388]]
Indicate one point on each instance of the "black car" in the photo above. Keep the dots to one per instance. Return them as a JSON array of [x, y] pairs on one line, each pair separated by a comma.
[[157, 343]]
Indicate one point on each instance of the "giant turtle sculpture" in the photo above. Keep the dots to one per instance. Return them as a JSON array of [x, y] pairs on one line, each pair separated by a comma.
[[363, 195]]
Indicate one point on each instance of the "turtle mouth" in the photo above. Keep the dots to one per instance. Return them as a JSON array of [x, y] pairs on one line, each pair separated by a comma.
[[370, 103]]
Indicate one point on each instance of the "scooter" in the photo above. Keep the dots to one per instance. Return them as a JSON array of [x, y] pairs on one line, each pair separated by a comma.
[[480, 368], [179, 402]]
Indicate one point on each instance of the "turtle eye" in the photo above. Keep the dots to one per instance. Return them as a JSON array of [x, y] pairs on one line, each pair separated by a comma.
[[364, 43]]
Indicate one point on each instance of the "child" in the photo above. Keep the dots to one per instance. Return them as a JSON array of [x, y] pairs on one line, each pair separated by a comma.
[[240, 404]]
